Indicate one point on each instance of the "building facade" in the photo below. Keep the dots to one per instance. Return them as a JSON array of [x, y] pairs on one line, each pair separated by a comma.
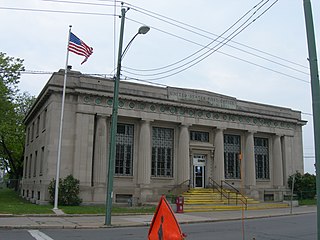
[[166, 138]]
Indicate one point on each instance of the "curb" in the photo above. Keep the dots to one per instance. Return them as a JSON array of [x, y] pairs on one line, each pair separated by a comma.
[[136, 224]]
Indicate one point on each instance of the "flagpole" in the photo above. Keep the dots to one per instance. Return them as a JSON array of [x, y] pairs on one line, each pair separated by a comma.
[[56, 195]]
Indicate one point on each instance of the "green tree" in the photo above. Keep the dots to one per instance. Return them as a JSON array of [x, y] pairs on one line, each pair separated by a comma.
[[304, 185], [13, 107]]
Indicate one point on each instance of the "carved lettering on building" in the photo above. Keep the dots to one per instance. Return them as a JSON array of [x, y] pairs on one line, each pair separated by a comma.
[[202, 98]]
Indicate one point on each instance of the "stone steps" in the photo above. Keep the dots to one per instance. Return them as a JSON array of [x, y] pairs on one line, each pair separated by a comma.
[[204, 200]]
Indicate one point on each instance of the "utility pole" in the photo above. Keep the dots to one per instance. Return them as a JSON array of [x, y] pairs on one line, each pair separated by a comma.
[[114, 121], [315, 90]]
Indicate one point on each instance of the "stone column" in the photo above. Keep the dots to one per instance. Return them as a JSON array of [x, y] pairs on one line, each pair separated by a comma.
[[287, 154], [249, 161], [218, 168], [277, 162], [144, 161], [183, 166], [100, 152]]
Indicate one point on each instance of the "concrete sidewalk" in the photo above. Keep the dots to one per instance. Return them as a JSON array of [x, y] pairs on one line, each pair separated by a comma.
[[94, 221]]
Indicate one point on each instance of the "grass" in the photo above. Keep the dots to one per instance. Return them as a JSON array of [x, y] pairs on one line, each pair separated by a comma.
[[307, 202], [102, 210], [12, 203]]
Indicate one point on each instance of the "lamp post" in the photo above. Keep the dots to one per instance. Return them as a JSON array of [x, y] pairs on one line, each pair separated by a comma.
[[114, 117], [315, 93]]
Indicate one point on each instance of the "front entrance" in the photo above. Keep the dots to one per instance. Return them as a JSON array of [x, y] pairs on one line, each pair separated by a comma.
[[199, 166]]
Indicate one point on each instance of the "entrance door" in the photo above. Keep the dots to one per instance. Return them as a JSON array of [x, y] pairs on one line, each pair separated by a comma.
[[199, 163], [199, 176]]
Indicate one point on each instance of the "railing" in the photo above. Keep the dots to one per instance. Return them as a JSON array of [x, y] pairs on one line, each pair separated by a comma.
[[178, 189], [228, 195], [242, 198], [218, 187]]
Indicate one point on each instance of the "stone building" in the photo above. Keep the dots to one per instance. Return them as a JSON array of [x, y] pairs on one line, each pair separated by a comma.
[[166, 138]]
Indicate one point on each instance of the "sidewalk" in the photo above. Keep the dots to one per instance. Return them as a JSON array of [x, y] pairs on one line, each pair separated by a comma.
[[94, 221]]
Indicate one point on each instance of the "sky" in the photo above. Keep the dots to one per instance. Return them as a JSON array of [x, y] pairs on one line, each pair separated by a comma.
[[253, 50]]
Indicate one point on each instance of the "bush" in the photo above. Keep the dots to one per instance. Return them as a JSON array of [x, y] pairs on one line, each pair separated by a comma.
[[68, 191], [304, 185]]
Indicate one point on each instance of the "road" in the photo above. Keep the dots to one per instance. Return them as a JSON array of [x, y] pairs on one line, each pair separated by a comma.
[[295, 227]]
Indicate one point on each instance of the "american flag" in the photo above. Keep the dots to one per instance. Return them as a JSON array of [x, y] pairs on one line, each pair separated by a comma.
[[77, 46]]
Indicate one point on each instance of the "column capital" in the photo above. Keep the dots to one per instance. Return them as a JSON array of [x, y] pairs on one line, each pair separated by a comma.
[[278, 135], [187, 125], [250, 132], [146, 120], [103, 116], [220, 129]]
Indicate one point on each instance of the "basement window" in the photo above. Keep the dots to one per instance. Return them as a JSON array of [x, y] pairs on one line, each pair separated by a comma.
[[123, 198]]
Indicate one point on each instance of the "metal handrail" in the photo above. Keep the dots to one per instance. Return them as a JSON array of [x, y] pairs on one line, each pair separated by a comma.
[[218, 187], [179, 186], [243, 198]]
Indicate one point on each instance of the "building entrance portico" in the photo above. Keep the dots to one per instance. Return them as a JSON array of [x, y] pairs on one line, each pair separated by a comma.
[[199, 166]]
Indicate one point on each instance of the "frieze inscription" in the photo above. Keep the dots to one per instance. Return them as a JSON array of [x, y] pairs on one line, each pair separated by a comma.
[[202, 98]]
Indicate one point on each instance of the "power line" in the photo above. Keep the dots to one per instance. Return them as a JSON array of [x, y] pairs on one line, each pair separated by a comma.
[[177, 23], [206, 46], [166, 19], [309, 114], [80, 3], [247, 61], [54, 11], [209, 52]]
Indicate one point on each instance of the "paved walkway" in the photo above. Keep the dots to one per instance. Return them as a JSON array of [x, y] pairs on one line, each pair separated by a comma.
[[94, 221]]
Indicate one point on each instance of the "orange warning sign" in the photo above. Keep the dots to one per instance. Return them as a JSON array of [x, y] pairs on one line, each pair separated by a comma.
[[164, 225]]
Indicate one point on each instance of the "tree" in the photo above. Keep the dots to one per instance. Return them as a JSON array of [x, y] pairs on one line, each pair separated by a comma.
[[304, 185], [13, 107]]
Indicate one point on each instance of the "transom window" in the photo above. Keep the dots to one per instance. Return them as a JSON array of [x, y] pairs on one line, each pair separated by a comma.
[[199, 136], [124, 149], [162, 152], [232, 150], [261, 155]]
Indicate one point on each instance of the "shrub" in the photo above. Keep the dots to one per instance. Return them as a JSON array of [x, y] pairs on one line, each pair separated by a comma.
[[304, 185], [68, 191]]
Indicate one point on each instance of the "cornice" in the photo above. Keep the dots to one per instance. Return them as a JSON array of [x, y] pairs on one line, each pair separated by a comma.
[[192, 111]]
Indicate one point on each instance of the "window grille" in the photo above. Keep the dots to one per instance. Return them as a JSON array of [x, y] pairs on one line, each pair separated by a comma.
[[44, 119], [26, 168], [35, 164], [199, 136], [232, 149], [162, 152], [29, 167], [124, 149], [38, 126], [261, 153], [41, 161], [32, 132]]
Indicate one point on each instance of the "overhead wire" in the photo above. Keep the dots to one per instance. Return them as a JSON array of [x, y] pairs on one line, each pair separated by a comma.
[[238, 58], [203, 47], [177, 23], [55, 11], [80, 3], [209, 52], [139, 9], [166, 19]]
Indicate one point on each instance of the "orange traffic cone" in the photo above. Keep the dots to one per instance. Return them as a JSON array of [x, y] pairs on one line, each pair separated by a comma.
[[164, 225]]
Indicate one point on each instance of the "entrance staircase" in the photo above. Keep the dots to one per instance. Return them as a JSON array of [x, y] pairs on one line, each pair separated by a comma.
[[207, 199]]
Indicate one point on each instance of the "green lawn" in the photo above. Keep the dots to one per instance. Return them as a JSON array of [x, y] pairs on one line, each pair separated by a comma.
[[11, 203], [308, 202]]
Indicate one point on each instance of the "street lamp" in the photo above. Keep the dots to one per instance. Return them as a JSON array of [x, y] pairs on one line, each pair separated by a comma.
[[114, 117]]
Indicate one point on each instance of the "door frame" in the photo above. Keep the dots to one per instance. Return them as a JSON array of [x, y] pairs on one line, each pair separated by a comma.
[[199, 160]]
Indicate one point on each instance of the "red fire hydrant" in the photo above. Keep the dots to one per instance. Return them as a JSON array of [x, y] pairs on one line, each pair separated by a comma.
[[179, 204]]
